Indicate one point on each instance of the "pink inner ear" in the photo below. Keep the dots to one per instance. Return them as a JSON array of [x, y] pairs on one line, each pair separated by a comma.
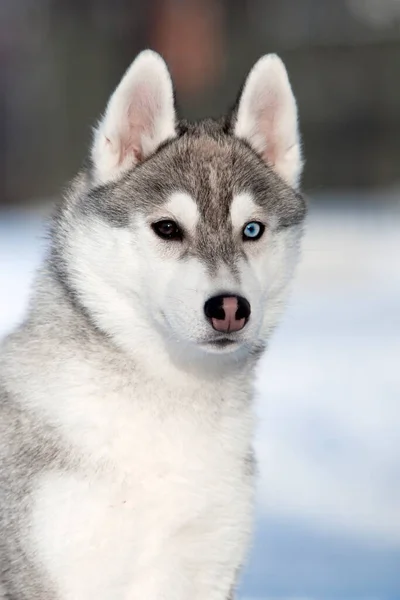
[[266, 126], [140, 121]]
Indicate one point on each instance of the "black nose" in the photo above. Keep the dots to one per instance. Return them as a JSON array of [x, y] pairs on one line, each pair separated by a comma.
[[227, 313]]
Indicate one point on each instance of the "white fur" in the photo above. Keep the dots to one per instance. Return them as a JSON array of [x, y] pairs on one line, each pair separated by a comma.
[[182, 208], [243, 210], [158, 475], [139, 117], [110, 267], [160, 508], [267, 118]]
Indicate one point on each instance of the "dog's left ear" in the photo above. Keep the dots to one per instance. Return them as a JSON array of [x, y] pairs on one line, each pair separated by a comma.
[[140, 116], [266, 117]]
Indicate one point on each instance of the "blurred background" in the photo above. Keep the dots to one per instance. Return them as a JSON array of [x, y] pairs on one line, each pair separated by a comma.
[[328, 518]]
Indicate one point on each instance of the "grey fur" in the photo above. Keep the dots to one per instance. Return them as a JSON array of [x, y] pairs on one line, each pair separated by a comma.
[[22, 438]]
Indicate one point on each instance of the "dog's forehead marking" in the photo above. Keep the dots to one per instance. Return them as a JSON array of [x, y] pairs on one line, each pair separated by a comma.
[[184, 208], [243, 209]]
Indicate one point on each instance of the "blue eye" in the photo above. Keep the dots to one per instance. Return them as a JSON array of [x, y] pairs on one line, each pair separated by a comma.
[[253, 231]]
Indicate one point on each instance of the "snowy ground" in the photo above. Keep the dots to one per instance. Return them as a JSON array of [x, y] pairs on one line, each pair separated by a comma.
[[329, 405]]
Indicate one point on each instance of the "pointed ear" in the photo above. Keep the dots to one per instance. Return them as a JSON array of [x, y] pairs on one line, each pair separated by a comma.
[[140, 116], [266, 118]]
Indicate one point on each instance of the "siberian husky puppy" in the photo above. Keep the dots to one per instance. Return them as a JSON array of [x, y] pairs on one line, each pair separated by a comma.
[[126, 463]]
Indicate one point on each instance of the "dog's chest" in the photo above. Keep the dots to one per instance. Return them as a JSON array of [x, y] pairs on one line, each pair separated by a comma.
[[151, 480]]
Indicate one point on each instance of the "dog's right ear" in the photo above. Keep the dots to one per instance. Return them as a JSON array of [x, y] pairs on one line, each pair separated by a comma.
[[140, 116]]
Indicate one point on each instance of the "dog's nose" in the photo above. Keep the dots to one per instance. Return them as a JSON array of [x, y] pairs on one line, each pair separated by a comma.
[[227, 313]]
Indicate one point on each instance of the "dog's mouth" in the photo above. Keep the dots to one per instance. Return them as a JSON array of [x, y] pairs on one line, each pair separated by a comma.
[[215, 343], [221, 343]]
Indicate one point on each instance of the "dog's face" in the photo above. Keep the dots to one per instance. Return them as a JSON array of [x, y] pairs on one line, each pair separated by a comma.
[[186, 232]]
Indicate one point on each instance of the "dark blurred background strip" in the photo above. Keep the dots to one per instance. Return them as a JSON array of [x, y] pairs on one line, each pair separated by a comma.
[[60, 60]]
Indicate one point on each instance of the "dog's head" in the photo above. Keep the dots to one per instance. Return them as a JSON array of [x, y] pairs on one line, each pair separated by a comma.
[[187, 233]]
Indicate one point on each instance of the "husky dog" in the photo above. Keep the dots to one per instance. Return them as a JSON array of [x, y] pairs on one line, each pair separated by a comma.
[[126, 465]]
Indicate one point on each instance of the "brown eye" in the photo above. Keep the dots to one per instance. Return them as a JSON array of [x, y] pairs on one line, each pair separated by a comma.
[[167, 230]]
